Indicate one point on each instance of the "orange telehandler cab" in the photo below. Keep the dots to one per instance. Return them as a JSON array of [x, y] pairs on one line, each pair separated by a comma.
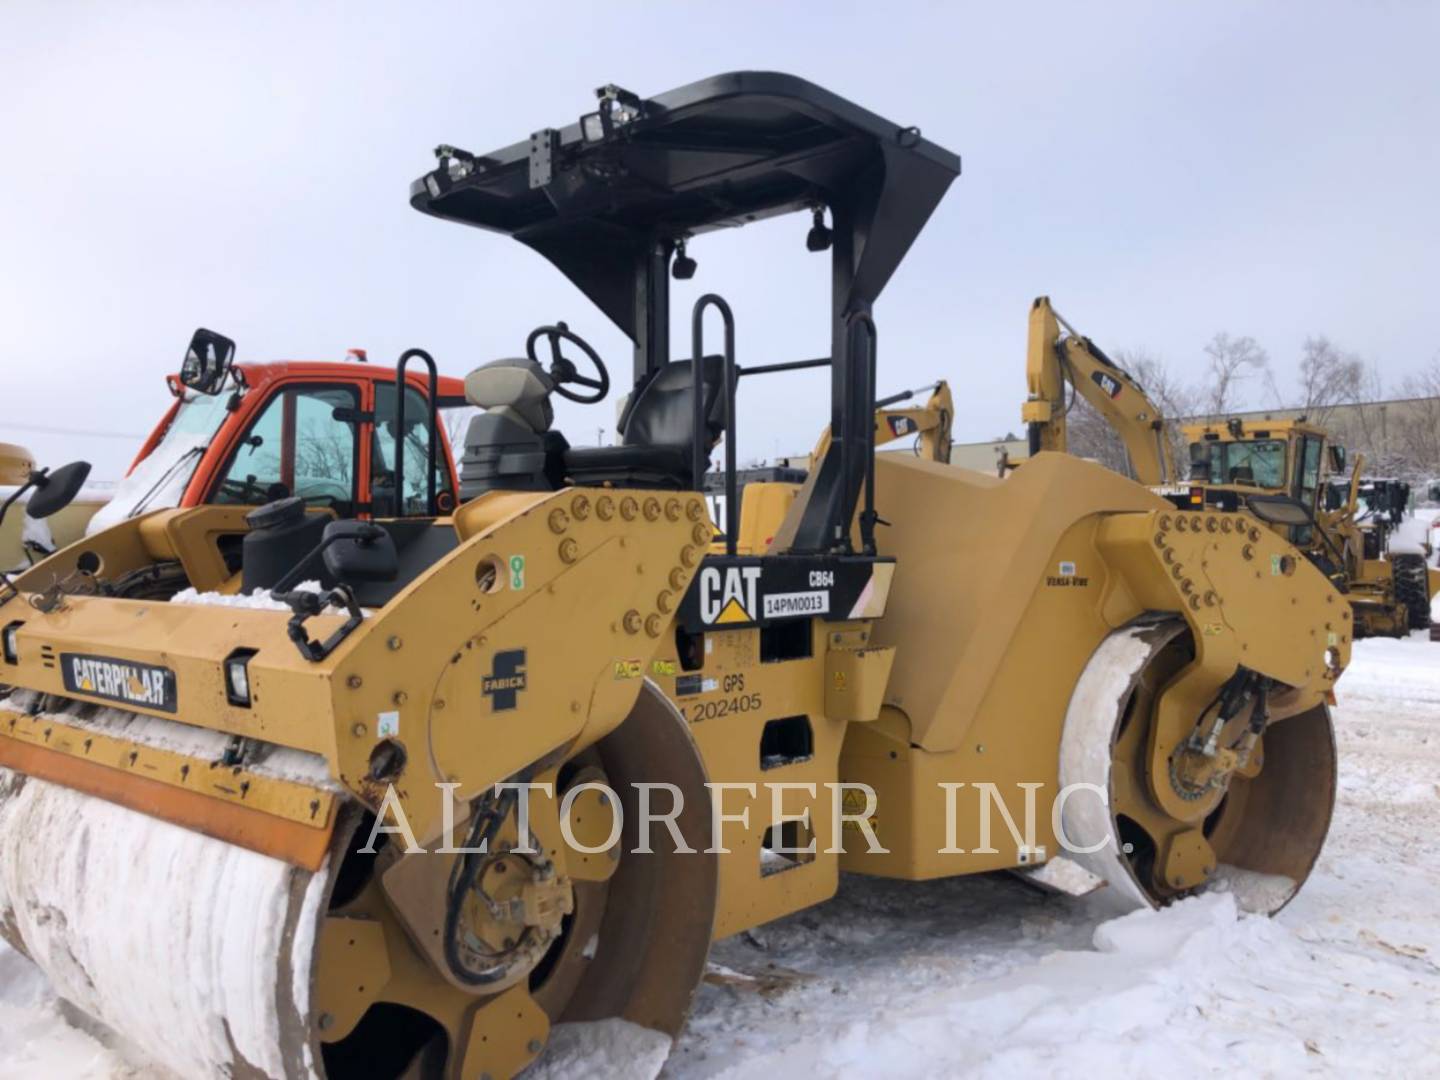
[[324, 431]]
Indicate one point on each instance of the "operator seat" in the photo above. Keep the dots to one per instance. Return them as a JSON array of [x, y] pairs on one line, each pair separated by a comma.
[[657, 429], [510, 445]]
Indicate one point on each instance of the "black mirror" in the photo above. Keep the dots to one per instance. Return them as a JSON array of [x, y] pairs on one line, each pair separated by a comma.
[[56, 490], [1337, 458], [207, 362], [358, 551], [1279, 510]]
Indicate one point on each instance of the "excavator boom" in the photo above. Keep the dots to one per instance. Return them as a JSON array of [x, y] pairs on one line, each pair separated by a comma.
[[1054, 358]]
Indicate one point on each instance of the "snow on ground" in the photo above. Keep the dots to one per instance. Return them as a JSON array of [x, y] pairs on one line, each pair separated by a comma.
[[37, 1041], [987, 977]]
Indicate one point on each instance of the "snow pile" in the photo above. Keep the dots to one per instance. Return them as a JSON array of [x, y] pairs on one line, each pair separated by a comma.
[[36, 1039], [258, 600], [1254, 891], [601, 1050], [1171, 992], [1418, 530]]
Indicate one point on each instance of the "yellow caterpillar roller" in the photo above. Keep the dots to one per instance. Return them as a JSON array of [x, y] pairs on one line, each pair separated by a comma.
[[299, 789]]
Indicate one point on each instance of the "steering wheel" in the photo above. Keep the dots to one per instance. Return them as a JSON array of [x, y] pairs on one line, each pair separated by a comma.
[[563, 370]]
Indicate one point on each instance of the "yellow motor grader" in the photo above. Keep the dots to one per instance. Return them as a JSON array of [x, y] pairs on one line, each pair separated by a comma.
[[1276, 469], [374, 796]]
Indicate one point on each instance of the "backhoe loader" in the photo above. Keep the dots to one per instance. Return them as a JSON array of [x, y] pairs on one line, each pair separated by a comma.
[[383, 787]]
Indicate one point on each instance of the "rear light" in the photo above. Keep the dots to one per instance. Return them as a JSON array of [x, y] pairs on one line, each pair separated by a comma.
[[1197, 496], [10, 641], [237, 677]]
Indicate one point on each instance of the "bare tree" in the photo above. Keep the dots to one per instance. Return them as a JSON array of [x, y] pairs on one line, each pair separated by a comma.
[[1417, 429], [1175, 399], [1328, 377], [1089, 435], [1232, 360], [456, 422]]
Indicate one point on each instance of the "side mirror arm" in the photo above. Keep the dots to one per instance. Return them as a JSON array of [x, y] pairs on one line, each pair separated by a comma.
[[35, 478], [307, 604]]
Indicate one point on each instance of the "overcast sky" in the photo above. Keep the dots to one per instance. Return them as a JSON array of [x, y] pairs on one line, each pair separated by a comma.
[[1163, 171]]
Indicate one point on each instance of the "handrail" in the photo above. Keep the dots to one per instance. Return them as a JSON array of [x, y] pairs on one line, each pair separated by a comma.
[[405, 358], [701, 455], [789, 365]]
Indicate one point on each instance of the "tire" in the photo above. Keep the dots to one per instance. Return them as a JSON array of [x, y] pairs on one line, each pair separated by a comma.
[[1412, 588]]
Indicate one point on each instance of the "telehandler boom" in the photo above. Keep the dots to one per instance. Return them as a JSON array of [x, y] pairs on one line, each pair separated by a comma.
[[333, 789]]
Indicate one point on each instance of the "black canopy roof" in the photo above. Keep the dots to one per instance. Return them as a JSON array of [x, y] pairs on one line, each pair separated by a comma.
[[715, 154]]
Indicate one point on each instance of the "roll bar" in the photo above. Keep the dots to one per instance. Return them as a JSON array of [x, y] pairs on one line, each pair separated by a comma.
[[434, 410], [700, 451], [860, 324]]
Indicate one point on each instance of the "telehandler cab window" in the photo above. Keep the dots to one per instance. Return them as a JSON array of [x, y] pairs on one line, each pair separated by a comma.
[[1259, 464], [296, 446], [417, 454], [198, 415]]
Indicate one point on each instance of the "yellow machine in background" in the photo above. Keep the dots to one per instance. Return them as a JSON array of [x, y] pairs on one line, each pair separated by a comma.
[[1270, 467], [1276, 469], [360, 886], [765, 503], [24, 538], [16, 464]]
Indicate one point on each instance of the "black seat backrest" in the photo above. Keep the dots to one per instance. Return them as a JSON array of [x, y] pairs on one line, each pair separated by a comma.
[[661, 410]]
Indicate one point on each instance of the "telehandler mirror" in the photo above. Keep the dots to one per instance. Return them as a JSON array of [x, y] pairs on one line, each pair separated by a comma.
[[358, 551], [207, 361], [56, 490], [1337, 458]]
